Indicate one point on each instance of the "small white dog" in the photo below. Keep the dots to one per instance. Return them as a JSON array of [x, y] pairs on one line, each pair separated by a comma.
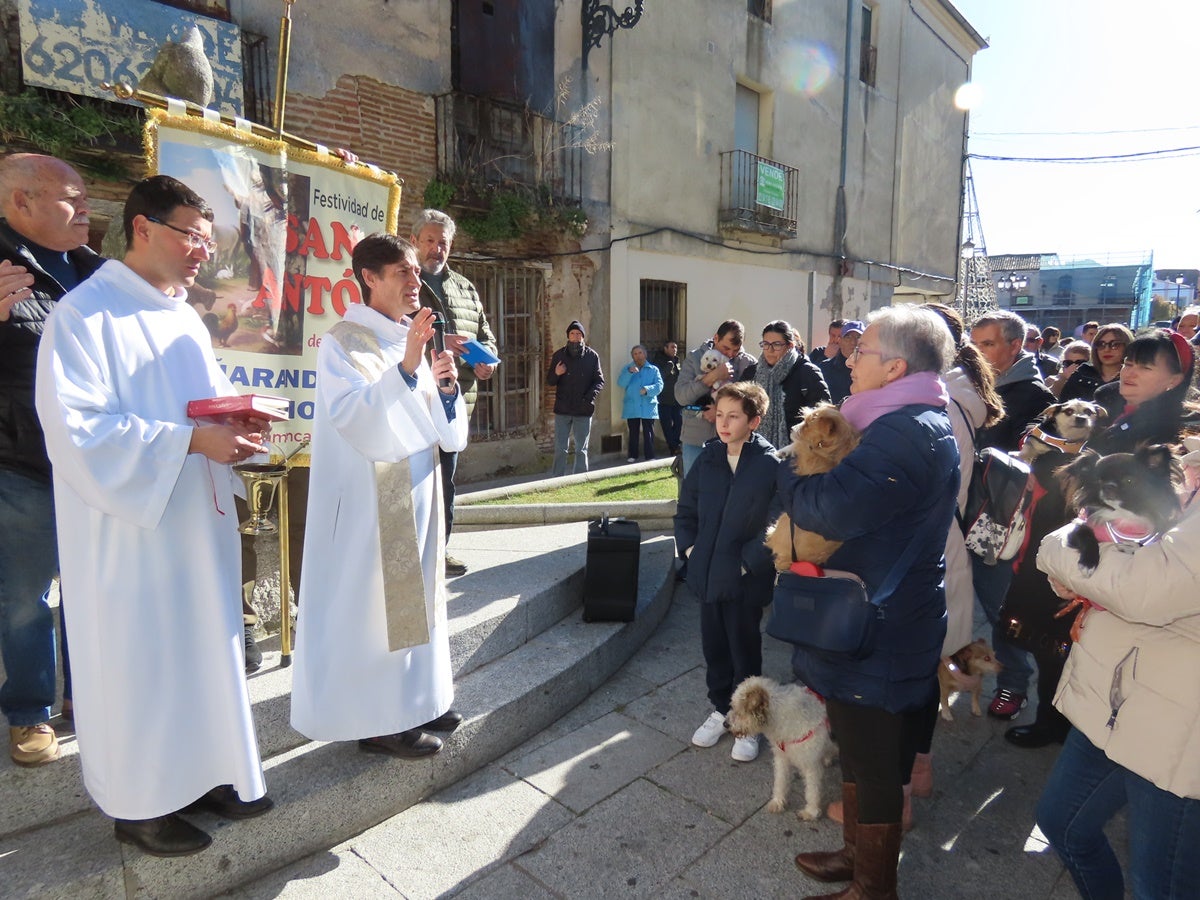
[[793, 719]]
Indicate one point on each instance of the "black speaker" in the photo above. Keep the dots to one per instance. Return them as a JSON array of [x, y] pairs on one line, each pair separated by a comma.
[[610, 580]]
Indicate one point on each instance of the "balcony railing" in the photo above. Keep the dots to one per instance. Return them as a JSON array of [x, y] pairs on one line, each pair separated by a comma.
[[488, 141], [758, 194]]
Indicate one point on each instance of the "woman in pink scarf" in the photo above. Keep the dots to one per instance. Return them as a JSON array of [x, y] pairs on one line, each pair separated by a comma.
[[896, 489]]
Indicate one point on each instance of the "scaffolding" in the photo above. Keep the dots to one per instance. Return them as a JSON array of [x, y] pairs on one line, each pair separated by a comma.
[[976, 293]]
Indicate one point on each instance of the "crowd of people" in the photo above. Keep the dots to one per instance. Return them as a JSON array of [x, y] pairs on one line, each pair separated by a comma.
[[98, 363], [926, 394]]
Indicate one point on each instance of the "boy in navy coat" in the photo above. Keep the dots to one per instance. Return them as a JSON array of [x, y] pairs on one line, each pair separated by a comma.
[[727, 500]]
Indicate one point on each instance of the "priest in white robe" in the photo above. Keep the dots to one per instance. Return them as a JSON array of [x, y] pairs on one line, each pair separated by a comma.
[[147, 534], [373, 646]]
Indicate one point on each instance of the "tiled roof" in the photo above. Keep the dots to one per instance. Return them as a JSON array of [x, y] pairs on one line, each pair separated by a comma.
[[1021, 262]]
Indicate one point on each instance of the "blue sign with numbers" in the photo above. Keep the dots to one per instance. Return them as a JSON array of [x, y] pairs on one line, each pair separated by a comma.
[[76, 45]]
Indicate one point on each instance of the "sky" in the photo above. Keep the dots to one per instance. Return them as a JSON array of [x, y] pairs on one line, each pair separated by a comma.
[[1074, 78]]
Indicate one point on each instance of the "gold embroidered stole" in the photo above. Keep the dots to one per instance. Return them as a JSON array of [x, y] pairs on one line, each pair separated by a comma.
[[407, 615]]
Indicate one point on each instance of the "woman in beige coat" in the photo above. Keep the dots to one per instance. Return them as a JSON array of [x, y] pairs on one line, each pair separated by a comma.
[[1131, 688]]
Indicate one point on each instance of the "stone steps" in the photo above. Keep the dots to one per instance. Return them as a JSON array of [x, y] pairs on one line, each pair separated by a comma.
[[522, 655]]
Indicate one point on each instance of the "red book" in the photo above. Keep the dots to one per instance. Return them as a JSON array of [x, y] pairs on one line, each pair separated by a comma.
[[262, 406]]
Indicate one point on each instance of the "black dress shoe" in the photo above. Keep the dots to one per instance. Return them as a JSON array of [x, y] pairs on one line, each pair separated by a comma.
[[447, 721], [254, 657], [164, 836], [225, 802], [1036, 735], [411, 744]]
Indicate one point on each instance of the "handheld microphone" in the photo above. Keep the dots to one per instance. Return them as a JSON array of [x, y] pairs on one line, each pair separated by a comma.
[[439, 342]]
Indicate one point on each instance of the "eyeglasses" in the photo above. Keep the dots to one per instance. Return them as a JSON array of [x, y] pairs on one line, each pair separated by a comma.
[[195, 239], [859, 351], [774, 345], [1072, 362], [1111, 345]]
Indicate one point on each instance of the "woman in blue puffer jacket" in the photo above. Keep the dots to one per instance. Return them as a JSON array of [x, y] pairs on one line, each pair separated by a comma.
[[642, 383], [900, 483]]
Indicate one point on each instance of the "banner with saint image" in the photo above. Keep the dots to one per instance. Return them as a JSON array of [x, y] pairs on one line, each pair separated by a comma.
[[286, 220]]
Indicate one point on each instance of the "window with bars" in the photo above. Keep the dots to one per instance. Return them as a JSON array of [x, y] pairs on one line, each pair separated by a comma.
[[661, 314], [258, 100], [760, 9], [512, 299], [868, 51]]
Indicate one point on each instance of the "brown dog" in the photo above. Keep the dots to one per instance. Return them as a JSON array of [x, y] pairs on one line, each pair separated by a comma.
[[820, 441], [970, 664]]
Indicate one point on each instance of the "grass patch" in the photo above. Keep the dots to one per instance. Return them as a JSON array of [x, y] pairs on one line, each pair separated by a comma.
[[657, 484]]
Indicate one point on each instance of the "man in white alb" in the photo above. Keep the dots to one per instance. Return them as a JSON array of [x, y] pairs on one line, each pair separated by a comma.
[[373, 646], [147, 534]]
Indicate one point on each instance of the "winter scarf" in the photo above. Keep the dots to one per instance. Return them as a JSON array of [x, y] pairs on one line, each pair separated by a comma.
[[774, 425], [926, 388]]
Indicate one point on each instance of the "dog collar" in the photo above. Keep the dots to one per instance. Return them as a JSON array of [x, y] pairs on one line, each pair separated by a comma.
[[1121, 532], [1055, 441], [783, 745]]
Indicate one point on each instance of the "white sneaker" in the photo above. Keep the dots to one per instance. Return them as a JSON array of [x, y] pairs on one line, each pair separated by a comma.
[[745, 749], [710, 732]]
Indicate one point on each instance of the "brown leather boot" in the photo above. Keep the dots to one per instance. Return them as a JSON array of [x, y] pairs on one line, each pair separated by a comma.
[[838, 865], [877, 855]]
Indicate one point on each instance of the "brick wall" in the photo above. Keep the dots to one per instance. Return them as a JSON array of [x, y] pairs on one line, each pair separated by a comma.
[[391, 127]]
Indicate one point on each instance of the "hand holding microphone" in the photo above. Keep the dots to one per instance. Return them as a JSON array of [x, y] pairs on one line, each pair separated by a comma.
[[439, 344]]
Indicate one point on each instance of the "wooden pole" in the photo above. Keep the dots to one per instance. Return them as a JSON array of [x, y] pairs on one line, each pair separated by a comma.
[[281, 72]]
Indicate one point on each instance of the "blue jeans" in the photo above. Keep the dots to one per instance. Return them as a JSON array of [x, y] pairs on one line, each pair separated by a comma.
[[28, 563], [691, 453], [991, 585], [565, 426], [1084, 791]]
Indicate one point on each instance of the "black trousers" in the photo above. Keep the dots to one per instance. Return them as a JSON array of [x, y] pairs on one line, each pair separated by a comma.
[[732, 643], [876, 749], [449, 464], [643, 428], [1049, 670], [670, 417], [929, 721]]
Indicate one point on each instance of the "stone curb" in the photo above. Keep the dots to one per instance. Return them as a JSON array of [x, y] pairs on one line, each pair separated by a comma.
[[465, 497], [644, 511]]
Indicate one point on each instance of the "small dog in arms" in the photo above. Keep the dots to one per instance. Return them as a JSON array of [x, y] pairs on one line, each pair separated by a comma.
[[820, 440], [793, 719]]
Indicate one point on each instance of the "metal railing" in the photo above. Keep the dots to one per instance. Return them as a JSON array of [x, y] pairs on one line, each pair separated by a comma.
[[758, 194], [258, 93], [488, 141]]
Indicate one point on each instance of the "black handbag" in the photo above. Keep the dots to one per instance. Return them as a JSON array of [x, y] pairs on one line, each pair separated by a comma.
[[833, 614]]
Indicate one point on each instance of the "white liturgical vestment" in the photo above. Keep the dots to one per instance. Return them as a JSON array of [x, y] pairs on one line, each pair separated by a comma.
[[148, 549], [373, 647]]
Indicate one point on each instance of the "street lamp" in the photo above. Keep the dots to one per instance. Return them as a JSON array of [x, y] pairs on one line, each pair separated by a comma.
[[1179, 279], [1012, 282]]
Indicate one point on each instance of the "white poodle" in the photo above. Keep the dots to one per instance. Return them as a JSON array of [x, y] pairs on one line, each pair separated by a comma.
[[793, 719]]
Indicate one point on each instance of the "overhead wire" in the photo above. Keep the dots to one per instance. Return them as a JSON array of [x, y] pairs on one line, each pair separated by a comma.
[[1170, 153]]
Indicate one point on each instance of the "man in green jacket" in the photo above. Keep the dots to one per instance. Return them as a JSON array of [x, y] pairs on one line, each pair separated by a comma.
[[458, 303]]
